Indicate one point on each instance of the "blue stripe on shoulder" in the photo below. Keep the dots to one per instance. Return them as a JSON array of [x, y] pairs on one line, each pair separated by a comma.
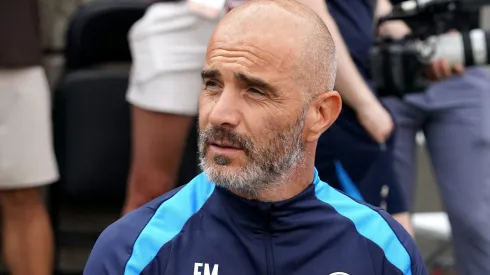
[[368, 223], [167, 222]]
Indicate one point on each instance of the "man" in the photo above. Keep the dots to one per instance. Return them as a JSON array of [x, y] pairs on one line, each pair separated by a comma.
[[26, 155], [454, 117], [260, 207], [166, 46]]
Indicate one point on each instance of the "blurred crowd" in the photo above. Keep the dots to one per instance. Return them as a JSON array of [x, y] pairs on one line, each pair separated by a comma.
[[369, 152]]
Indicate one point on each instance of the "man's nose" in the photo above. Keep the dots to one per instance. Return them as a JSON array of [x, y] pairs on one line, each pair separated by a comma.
[[225, 111]]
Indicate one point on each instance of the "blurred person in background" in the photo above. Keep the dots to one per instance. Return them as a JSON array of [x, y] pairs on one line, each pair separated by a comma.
[[27, 159], [356, 154], [454, 116], [168, 46]]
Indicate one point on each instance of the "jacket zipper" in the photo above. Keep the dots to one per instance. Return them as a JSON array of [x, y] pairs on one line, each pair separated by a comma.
[[268, 249], [268, 252]]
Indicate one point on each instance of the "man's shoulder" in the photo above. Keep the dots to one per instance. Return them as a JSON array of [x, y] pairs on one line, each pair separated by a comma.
[[375, 225], [135, 239], [113, 248], [128, 227], [175, 202]]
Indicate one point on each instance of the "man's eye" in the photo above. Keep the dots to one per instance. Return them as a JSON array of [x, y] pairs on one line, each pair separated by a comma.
[[210, 84], [256, 91]]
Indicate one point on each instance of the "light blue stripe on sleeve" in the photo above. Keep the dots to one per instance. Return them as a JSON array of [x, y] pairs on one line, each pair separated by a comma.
[[167, 222], [368, 223]]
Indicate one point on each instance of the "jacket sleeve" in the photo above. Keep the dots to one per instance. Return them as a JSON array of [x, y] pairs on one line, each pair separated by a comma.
[[419, 269], [114, 246], [109, 254], [417, 265]]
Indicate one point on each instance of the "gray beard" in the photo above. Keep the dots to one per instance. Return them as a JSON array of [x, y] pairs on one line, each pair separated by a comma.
[[269, 167]]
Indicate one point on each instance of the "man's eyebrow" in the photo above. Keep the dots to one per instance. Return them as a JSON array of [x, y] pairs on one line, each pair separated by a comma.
[[210, 73], [256, 82]]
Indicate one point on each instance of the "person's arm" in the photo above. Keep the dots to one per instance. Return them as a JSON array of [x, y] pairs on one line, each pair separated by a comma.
[[349, 81], [396, 28], [350, 84], [383, 8]]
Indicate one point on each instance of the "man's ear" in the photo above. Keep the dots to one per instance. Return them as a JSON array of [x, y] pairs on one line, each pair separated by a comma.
[[323, 112]]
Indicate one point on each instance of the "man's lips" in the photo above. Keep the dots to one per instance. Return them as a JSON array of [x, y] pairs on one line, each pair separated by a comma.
[[224, 144]]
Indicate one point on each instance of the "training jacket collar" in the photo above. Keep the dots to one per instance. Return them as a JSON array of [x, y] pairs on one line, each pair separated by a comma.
[[269, 217]]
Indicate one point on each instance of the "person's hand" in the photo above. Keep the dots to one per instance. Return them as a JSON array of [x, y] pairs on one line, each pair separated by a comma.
[[395, 29], [440, 70], [376, 121]]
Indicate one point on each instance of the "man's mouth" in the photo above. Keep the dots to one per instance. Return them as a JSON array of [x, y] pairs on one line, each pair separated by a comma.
[[226, 144]]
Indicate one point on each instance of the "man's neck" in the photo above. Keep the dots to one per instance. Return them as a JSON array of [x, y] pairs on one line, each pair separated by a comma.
[[299, 180]]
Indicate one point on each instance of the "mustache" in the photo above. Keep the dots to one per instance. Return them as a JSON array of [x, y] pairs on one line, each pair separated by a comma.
[[224, 134]]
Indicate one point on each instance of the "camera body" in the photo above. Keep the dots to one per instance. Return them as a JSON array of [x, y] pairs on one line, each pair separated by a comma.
[[397, 66]]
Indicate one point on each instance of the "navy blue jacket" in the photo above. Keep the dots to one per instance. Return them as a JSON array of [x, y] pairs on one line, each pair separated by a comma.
[[201, 229]]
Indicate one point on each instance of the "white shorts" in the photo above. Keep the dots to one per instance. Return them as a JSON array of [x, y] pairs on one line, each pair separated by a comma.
[[168, 46], [26, 150]]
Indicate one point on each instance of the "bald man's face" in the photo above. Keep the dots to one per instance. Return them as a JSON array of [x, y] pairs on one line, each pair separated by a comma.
[[252, 108]]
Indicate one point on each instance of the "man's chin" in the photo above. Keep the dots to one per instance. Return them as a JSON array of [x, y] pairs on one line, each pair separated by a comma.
[[213, 170], [213, 167], [219, 174]]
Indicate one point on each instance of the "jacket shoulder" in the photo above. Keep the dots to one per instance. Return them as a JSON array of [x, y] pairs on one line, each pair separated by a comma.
[[113, 247], [131, 243], [377, 226], [417, 264]]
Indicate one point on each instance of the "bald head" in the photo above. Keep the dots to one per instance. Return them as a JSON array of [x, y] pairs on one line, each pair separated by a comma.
[[295, 31]]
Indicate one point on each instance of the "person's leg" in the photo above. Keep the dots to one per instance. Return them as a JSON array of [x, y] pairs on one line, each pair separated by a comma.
[[390, 194], [168, 47], [158, 143], [341, 158], [458, 139], [27, 236], [408, 120], [26, 162]]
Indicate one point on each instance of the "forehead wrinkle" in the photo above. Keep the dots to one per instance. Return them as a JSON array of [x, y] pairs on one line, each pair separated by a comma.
[[279, 61], [253, 54], [236, 57]]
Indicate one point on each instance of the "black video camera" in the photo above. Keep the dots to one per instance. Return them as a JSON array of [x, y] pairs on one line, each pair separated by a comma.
[[398, 66]]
